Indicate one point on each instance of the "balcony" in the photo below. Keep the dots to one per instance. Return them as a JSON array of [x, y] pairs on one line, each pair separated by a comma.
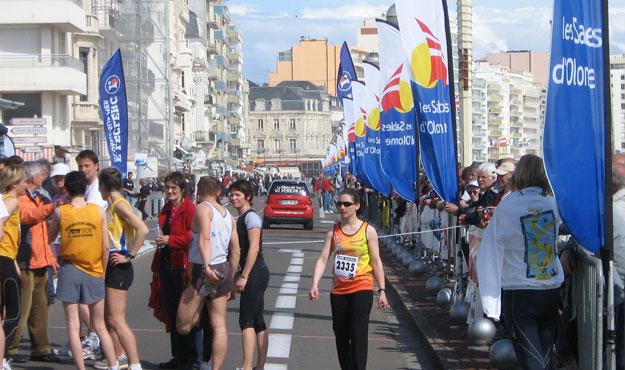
[[59, 73], [211, 47], [107, 19], [213, 21], [204, 137], [213, 71], [66, 15], [224, 12], [92, 25], [86, 112], [181, 101]]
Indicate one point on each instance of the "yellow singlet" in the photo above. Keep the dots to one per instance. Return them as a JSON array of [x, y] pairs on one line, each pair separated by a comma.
[[81, 238], [121, 233], [10, 242]]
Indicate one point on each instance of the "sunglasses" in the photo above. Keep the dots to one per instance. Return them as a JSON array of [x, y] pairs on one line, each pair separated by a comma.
[[344, 204]]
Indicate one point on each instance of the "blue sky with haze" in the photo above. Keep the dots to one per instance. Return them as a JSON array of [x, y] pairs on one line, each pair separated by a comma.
[[269, 26]]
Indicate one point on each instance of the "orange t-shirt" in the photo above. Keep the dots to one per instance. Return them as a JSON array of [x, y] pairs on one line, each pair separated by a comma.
[[81, 238], [351, 276]]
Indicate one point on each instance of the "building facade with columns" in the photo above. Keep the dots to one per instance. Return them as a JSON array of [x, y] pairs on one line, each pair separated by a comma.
[[290, 125]]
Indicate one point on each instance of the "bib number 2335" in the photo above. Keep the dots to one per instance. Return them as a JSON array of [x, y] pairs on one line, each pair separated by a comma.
[[345, 266]]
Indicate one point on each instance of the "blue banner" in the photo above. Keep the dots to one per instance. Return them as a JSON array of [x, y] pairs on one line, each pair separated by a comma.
[[360, 128], [574, 136], [423, 25], [370, 106], [114, 111], [398, 146], [346, 74]]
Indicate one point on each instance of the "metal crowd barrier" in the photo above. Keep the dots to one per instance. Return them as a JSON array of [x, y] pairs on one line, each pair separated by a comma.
[[588, 297]]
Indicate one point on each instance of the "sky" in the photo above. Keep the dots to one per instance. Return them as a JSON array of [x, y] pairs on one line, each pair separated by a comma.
[[269, 26]]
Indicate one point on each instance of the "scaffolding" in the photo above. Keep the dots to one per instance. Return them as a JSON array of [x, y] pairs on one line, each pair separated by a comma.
[[140, 28]]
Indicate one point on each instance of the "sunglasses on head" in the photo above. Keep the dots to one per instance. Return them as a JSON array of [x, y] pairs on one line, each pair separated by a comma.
[[344, 204]]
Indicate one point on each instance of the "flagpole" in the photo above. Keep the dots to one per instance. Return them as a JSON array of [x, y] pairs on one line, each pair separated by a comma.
[[608, 250], [452, 85]]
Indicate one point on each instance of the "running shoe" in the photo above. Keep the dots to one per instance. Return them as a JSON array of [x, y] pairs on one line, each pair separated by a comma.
[[206, 365], [5, 364], [104, 364], [91, 354]]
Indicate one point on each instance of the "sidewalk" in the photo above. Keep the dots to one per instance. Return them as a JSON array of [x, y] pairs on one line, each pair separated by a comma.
[[446, 347]]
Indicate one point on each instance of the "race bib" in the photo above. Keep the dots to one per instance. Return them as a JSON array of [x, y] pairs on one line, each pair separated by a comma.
[[345, 266]]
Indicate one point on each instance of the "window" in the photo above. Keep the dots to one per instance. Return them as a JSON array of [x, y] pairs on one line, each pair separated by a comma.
[[276, 124], [31, 107], [234, 129], [276, 145], [261, 125], [84, 59], [260, 145], [292, 145], [292, 124]]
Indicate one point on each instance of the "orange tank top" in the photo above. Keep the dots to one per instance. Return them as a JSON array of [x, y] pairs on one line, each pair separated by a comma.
[[81, 238], [352, 263]]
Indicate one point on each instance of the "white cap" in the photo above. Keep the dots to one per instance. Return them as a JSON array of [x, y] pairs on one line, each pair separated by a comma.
[[59, 169]]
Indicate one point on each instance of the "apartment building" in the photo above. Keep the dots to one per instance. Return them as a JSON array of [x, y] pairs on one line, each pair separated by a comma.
[[507, 111], [617, 85], [40, 67]]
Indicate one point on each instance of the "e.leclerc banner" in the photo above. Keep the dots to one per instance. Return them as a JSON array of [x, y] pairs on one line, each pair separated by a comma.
[[360, 127], [574, 135], [114, 111], [423, 26], [371, 105], [398, 146], [346, 74]]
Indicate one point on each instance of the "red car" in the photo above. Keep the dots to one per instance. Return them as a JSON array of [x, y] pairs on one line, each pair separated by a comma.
[[288, 202]]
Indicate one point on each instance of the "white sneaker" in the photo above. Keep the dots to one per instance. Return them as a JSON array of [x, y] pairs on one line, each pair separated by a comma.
[[122, 362], [206, 365], [5, 364]]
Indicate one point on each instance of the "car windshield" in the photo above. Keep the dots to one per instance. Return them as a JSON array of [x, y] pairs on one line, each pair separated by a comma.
[[294, 189]]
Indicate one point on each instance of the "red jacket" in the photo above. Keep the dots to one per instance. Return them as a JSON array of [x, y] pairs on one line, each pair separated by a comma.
[[180, 234], [180, 237]]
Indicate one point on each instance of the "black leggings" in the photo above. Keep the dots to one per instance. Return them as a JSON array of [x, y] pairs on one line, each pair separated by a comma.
[[350, 321], [252, 304], [9, 298]]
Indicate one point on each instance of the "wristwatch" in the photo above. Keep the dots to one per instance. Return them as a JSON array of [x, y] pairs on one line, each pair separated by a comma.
[[381, 290]]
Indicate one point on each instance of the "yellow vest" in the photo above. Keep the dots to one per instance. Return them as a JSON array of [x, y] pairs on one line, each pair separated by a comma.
[[10, 242], [81, 238], [121, 233]]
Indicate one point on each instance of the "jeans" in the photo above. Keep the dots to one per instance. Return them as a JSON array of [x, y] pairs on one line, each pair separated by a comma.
[[34, 313], [327, 201], [531, 317], [350, 321]]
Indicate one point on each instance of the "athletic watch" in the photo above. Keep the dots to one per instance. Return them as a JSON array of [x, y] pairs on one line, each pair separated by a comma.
[[381, 290]]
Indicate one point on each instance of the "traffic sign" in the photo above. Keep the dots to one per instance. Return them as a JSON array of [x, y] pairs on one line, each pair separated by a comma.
[[29, 130], [31, 149], [29, 140], [28, 121]]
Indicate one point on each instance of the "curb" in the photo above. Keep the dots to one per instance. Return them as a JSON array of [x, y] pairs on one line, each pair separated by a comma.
[[424, 333]]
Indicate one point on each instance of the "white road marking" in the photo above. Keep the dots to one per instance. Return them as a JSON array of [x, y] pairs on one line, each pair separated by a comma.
[[279, 345], [297, 261], [285, 301], [296, 269], [276, 367], [298, 254], [282, 321], [292, 277], [289, 288]]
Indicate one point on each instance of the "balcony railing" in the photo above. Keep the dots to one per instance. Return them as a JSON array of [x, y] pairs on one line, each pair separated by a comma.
[[92, 24], [41, 61], [204, 137]]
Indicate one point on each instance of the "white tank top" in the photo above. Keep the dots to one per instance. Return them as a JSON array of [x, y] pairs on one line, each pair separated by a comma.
[[221, 231]]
